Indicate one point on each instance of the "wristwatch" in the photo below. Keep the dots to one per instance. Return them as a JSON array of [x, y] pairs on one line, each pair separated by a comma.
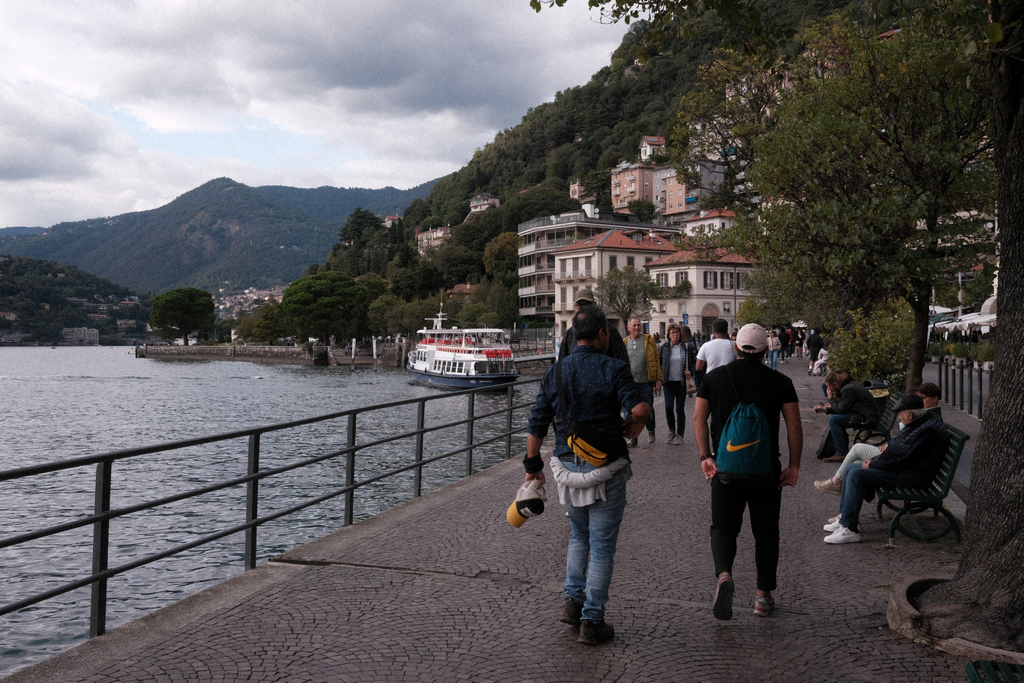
[[705, 457]]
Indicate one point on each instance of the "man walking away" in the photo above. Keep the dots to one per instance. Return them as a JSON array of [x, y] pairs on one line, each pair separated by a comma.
[[616, 349], [718, 351], [747, 380], [646, 367], [596, 388]]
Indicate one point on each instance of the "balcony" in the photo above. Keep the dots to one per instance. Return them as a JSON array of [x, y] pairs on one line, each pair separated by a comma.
[[569, 275]]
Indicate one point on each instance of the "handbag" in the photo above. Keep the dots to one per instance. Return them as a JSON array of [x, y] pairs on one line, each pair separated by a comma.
[[691, 386], [596, 447]]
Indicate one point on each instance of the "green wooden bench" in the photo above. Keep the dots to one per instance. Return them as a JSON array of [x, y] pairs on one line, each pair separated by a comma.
[[917, 500], [881, 431], [994, 672]]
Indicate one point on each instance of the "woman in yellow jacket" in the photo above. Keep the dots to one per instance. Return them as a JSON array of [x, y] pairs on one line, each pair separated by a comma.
[[646, 366]]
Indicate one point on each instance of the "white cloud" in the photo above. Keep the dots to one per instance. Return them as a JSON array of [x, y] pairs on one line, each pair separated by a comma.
[[114, 106]]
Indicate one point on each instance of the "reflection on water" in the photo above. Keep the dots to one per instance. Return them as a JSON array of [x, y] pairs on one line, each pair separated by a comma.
[[72, 402]]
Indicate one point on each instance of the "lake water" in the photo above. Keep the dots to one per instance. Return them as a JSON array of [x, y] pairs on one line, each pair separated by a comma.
[[69, 402]]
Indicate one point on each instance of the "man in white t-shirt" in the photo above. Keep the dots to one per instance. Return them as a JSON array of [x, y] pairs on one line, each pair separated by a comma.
[[718, 351]]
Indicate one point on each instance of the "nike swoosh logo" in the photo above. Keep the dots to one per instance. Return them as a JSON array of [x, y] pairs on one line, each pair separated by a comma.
[[729, 447]]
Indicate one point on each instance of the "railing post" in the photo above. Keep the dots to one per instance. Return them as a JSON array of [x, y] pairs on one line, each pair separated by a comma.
[[945, 385], [251, 501], [981, 389], [350, 467], [962, 384], [970, 392], [952, 388], [508, 423], [100, 550], [470, 410], [417, 479]]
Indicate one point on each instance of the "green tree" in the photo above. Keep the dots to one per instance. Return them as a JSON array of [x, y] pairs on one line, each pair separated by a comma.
[[501, 255], [877, 154], [643, 209], [269, 327], [877, 344], [325, 304], [626, 292], [384, 315], [180, 312]]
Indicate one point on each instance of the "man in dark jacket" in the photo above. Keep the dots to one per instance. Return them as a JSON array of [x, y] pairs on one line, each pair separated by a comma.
[[852, 406], [912, 458], [616, 347]]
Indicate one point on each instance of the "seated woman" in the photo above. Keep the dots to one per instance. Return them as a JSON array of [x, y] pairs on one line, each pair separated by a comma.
[[855, 407]]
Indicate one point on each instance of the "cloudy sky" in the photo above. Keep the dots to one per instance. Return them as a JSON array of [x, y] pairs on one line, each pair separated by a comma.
[[122, 105]]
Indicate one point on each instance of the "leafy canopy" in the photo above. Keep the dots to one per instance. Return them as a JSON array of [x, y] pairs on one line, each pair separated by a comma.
[[180, 312]]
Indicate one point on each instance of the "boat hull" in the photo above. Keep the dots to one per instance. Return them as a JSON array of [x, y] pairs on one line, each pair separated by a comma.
[[461, 381]]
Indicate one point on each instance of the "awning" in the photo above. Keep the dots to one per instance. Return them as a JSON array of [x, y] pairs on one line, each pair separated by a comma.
[[968, 322]]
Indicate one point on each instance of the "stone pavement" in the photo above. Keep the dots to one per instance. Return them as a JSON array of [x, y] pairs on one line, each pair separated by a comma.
[[444, 589]]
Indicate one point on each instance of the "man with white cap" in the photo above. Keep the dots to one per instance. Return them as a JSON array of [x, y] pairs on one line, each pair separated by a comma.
[[746, 383]]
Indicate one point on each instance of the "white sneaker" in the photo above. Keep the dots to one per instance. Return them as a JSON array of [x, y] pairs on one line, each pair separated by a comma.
[[671, 439], [677, 440], [650, 437], [832, 526], [843, 535]]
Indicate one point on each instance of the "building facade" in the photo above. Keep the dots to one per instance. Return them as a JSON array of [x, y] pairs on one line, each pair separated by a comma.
[[579, 265], [630, 182], [540, 238], [717, 288]]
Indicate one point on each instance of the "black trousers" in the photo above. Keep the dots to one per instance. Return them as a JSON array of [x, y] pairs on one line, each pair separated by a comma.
[[727, 504]]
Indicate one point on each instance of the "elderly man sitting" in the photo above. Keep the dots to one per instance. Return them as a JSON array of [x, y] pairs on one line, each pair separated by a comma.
[[912, 458]]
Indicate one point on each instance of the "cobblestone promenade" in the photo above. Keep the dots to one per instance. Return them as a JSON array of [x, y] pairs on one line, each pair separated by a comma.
[[444, 589]]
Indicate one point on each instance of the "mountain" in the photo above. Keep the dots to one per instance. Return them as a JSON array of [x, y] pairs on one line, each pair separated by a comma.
[[221, 235], [335, 204]]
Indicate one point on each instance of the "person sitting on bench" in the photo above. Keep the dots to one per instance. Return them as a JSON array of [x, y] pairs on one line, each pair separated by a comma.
[[911, 459], [855, 407], [862, 452]]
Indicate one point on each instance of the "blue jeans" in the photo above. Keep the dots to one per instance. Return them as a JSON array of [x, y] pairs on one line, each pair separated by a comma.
[[675, 406], [595, 532], [837, 424], [773, 358], [859, 484]]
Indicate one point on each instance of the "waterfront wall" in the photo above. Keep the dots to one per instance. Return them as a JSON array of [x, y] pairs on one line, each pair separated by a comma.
[[295, 355]]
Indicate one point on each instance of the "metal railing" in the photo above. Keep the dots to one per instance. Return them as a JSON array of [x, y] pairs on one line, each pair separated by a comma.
[[102, 514], [957, 380]]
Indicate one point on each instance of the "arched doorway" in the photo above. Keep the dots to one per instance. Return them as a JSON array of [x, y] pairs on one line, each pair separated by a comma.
[[708, 316]]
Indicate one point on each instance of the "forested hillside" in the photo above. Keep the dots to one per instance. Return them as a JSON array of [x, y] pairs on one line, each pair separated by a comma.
[[334, 204], [34, 301]]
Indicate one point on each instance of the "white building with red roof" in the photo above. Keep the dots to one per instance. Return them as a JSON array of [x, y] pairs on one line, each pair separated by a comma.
[[708, 222], [716, 289], [579, 265]]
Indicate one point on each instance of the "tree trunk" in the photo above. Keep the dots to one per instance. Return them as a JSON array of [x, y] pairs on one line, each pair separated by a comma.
[[984, 602]]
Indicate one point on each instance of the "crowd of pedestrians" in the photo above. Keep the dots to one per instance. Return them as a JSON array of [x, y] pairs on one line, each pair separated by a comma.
[[600, 395]]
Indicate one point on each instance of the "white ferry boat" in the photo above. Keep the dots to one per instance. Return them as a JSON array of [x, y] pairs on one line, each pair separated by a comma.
[[461, 359]]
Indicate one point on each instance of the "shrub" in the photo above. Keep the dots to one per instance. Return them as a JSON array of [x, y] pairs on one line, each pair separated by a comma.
[[878, 346], [983, 352]]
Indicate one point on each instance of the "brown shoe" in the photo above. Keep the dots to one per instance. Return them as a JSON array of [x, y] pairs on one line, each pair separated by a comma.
[[834, 458], [827, 485]]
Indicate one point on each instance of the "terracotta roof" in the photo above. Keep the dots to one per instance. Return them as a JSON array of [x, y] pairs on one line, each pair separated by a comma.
[[714, 213], [694, 256], [654, 140], [621, 239]]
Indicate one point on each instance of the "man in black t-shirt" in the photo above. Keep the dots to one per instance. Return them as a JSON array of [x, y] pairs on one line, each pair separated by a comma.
[[747, 379]]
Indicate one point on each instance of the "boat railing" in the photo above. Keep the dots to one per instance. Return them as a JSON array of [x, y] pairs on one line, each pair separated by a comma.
[[495, 426]]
